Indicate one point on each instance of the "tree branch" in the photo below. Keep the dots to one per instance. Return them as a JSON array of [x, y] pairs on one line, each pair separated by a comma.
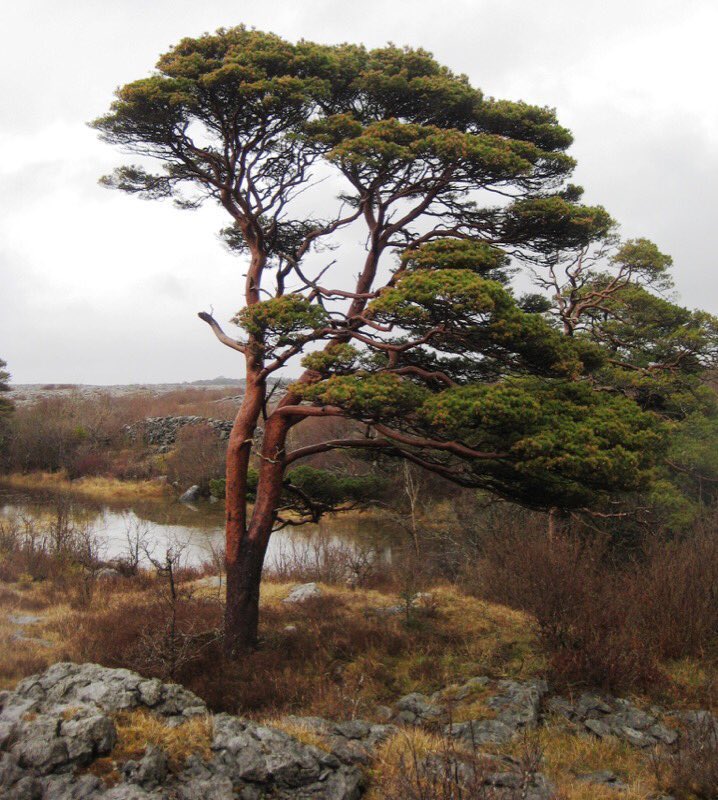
[[220, 334]]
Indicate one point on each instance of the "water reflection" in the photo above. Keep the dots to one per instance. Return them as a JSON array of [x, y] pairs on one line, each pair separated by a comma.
[[199, 528]]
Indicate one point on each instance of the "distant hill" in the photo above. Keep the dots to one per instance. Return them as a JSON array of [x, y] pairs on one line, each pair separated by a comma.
[[219, 381]]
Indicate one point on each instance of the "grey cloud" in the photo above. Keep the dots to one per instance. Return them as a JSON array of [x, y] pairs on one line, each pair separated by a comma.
[[98, 287]]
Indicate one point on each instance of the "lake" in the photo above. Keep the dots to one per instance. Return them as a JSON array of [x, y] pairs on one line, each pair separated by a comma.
[[199, 528]]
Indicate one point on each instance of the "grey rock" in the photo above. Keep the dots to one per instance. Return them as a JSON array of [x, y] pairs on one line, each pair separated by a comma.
[[191, 495], [471, 686], [591, 705], [482, 731], [70, 787], [59, 721], [598, 727], [604, 778], [637, 719], [560, 705], [351, 742], [418, 709], [23, 619], [518, 704], [88, 736], [307, 591], [661, 733], [161, 432], [150, 771], [615, 716]]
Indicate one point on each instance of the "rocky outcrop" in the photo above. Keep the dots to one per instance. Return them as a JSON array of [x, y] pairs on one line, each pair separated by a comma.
[[604, 715], [162, 432], [511, 706], [55, 725], [516, 707], [352, 742]]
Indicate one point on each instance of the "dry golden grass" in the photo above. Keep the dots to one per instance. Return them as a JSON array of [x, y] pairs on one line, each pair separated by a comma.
[[299, 730], [20, 657], [136, 730], [90, 488], [395, 755], [567, 755]]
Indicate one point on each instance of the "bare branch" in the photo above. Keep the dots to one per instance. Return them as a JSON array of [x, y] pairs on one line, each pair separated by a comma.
[[220, 334]]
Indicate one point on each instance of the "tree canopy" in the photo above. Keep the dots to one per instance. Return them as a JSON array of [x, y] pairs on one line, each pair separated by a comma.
[[562, 397]]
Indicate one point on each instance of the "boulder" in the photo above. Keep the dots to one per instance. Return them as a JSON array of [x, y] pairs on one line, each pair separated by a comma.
[[191, 495], [307, 591], [352, 742], [161, 432]]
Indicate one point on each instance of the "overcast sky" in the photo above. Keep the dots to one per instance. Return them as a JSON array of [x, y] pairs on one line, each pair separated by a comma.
[[100, 287]]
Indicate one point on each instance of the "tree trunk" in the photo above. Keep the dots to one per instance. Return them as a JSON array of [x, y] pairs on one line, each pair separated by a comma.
[[244, 571], [242, 612], [240, 555]]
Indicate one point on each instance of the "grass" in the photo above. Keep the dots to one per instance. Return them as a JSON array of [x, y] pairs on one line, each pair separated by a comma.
[[464, 637], [395, 755], [330, 657], [136, 730], [90, 488], [567, 755], [298, 729], [19, 657], [339, 659]]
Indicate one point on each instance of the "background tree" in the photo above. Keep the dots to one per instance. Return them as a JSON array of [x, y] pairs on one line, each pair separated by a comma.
[[427, 346], [6, 407]]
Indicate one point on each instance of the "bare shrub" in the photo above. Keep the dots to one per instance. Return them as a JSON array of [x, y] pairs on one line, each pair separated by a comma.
[[169, 646], [88, 462], [61, 550], [326, 559], [198, 457], [679, 586], [589, 612], [142, 634], [45, 435], [85, 434]]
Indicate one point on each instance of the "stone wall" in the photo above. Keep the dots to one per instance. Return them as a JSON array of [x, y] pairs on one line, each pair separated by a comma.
[[162, 432]]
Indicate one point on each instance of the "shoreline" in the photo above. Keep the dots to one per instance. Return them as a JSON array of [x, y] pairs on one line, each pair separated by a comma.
[[98, 488]]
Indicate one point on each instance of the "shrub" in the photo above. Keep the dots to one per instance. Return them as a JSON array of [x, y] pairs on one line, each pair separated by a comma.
[[198, 457], [589, 613], [679, 591]]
